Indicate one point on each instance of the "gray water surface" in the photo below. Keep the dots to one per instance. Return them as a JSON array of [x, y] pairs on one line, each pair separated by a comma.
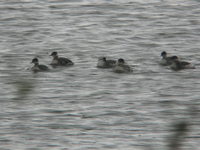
[[83, 107]]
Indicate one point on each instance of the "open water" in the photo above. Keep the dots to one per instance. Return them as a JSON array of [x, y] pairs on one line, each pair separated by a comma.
[[86, 108]]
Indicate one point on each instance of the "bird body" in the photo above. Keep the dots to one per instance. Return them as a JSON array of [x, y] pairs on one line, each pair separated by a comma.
[[179, 65]]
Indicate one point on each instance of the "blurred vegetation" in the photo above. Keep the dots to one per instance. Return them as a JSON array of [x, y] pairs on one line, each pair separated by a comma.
[[180, 130], [23, 88]]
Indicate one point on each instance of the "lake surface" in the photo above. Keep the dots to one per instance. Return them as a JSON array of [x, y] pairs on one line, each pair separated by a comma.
[[86, 108]]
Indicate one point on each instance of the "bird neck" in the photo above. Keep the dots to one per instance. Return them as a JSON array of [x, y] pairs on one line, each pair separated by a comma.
[[55, 57], [164, 56], [36, 64]]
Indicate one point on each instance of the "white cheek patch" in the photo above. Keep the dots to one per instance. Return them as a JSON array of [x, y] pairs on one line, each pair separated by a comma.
[[101, 63], [35, 68], [54, 62], [163, 62]]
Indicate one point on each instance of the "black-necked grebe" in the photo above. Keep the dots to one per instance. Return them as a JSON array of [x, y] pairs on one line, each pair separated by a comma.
[[37, 67], [60, 61], [104, 63], [166, 60], [179, 65], [122, 67]]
